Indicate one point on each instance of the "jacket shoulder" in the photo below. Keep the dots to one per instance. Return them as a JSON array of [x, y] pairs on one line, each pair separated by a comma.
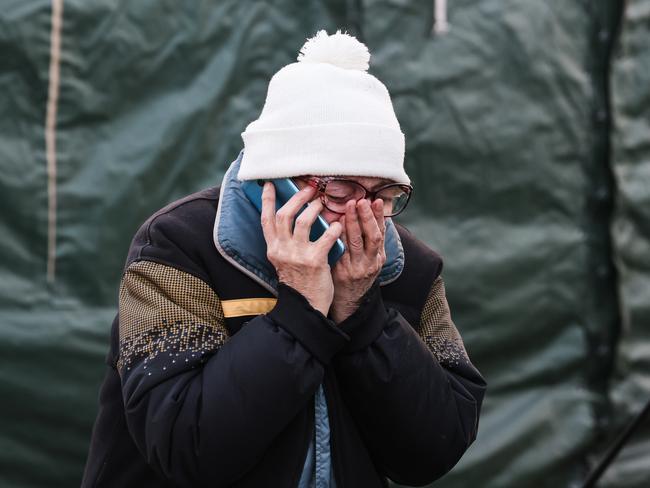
[[422, 265], [178, 233], [421, 262], [196, 200]]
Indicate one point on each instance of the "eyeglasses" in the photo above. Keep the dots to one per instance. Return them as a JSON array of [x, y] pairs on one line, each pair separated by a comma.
[[336, 192]]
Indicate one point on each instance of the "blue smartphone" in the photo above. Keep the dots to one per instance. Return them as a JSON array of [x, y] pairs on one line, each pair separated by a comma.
[[284, 190]]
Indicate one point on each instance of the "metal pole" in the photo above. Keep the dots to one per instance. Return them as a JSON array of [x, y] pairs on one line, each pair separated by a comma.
[[616, 447]]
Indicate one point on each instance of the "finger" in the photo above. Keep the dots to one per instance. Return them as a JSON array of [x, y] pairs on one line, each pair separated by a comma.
[[285, 216], [353, 231], [340, 264], [306, 219], [343, 237], [372, 237], [344, 260], [378, 210], [327, 240], [268, 211], [341, 268], [381, 260]]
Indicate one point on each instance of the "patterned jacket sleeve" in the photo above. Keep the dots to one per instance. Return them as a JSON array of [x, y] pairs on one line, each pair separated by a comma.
[[411, 387], [201, 406]]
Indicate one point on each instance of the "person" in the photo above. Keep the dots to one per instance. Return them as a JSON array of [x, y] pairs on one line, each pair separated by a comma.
[[240, 357]]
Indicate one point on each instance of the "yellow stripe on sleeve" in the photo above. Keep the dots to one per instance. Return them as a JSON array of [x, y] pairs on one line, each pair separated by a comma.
[[247, 306]]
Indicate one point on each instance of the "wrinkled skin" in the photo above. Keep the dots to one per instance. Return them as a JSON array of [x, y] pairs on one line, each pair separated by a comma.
[[303, 265]]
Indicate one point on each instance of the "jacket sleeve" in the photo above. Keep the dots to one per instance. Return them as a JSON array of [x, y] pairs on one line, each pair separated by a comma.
[[413, 392], [201, 406]]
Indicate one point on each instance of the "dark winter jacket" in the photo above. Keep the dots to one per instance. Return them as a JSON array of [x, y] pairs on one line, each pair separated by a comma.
[[212, 371]]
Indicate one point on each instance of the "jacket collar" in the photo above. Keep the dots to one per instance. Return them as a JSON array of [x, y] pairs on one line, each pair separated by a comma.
[[238, 237]]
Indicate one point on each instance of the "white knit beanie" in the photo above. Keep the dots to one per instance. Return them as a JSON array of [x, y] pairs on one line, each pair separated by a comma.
[[325, 115]]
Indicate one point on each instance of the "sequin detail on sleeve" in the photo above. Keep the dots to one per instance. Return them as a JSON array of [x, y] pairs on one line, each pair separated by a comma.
[[163, 309], [438, 330]]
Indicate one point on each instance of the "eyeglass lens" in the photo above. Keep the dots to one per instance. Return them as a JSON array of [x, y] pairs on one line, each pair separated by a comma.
[[338, 192]]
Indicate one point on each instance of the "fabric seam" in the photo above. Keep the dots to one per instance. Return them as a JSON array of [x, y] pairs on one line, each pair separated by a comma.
[[157, 215]]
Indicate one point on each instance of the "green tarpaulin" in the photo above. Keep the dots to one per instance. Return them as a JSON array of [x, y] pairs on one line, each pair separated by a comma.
[[528, 141]]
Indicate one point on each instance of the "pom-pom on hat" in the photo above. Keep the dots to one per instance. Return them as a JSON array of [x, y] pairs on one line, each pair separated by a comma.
[[339, 49], [325, 115]]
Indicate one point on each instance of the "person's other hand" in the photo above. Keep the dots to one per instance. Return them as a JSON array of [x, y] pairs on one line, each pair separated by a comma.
[[358, 268], [299, 263]]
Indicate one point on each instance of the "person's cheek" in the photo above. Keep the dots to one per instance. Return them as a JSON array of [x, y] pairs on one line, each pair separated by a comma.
[[330, 216]]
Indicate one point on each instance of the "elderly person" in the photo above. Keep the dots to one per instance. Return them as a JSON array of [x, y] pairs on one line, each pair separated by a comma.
[[240, 357]]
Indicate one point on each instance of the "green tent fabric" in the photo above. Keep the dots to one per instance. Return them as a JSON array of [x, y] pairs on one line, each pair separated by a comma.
[[630, 79], [507, 125]]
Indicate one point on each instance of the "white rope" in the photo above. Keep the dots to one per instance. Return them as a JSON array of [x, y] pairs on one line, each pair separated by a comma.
[[50, 134], [440, 24]]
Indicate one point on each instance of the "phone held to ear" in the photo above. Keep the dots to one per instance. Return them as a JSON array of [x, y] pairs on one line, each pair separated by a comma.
[[284, 190]]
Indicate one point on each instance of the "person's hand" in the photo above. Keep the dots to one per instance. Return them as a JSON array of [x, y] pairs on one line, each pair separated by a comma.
[[299, 263], [358, 268]]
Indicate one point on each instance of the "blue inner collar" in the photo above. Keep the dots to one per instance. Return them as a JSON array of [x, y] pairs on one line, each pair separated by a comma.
[[238, 236]]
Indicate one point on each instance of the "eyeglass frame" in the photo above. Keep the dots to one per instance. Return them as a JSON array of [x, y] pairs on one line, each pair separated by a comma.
[[321, 183]]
